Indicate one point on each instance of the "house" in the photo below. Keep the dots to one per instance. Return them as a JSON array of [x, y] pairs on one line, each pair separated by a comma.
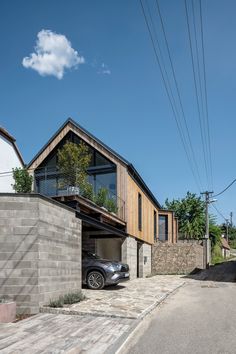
[[124, 233], [225, 248], [10, 158]]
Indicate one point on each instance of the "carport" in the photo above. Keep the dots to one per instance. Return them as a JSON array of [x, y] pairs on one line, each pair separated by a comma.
[[102, 238]]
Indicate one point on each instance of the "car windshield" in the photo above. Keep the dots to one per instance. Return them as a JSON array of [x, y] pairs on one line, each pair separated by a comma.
[[90, 255]]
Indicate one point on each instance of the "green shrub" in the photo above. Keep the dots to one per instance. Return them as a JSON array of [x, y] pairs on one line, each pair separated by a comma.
[[57, 303], [101, 197], [232, 244], [68, 299], [23, 180], [111, 206], [216, 254], [87, 191], [72, 298]]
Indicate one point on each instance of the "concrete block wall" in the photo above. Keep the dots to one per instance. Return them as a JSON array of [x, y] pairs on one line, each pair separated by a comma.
[[59, 242], [178, 258], [129, 255], [145, 260], [40, 250]]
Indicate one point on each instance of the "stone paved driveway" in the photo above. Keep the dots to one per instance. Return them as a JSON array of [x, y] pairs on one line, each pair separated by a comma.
[[97, 325], [133, 299]]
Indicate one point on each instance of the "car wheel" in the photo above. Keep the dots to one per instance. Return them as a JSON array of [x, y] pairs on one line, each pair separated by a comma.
[[95, 280]]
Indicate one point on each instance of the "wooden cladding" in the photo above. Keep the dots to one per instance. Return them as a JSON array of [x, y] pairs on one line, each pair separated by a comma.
[[140, 212]]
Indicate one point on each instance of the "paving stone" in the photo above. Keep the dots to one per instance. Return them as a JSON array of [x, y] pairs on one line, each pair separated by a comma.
[[104, 320]]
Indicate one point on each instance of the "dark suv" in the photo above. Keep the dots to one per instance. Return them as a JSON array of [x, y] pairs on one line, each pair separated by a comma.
[[98, 272]]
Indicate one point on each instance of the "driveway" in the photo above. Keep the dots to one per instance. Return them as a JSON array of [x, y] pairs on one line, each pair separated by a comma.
[[97, 325], [132, 299]]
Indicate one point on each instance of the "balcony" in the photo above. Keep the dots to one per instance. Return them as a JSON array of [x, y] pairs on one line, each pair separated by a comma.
[[97, 200]]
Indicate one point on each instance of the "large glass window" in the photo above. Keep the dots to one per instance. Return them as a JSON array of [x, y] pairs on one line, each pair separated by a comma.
[[47, 186], [102, 172], [163, 227], [104, 180]]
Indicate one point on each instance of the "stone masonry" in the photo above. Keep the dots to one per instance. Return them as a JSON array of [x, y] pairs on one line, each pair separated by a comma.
[[179, 258], [129, 255], [40, 250]]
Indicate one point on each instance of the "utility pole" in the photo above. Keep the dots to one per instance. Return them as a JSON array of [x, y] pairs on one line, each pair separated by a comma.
[[231, 219], [207, 241], [227, 229]]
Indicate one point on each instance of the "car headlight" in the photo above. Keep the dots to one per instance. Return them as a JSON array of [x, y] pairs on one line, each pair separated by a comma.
[[114, 267]]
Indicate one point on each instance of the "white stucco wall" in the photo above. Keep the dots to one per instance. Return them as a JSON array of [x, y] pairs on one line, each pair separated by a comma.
[[8, 160]]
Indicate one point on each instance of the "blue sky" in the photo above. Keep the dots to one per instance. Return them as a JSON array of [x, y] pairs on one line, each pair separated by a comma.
[[118, 94]]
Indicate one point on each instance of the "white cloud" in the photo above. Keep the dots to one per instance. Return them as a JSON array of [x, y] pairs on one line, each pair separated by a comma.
[[53, 54], [104, 70]]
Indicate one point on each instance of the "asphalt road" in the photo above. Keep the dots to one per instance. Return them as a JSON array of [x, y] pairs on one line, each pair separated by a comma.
[[199, 318]]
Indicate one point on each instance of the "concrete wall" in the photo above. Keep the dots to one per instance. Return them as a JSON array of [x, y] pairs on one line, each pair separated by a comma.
[[129, 255], [145, 260], [40, 250], [179, 258], [9, 160]]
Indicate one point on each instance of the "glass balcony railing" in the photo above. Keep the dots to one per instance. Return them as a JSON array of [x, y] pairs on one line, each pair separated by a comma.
[[51, 182]]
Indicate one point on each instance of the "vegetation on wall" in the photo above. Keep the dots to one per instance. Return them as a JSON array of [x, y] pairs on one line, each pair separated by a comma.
[[190, 212], [215, 237], [23, 180]]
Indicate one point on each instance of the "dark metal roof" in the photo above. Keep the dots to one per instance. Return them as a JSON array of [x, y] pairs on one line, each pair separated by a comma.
[[132, 171]]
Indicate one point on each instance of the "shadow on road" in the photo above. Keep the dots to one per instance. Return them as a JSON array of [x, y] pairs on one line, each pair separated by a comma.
[[223, 272]]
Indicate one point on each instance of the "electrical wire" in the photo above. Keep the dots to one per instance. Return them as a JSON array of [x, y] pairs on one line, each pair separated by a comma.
[[205, 90], [178, 90], [224, 190], [167, 91], [219, 212], [196, 92]]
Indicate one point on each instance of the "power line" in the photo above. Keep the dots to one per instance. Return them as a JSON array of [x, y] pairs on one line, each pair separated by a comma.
[[196, 91], [224, 190], [219, 212], [205, 89], [179, 127], [177, 89]]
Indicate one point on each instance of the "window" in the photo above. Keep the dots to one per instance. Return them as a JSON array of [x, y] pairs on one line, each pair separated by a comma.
[[104, 180], [163, 227], [155, 224], [140, 212]]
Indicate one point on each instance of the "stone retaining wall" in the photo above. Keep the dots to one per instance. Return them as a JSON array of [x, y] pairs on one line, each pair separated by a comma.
[[179, 258], [40, 250]]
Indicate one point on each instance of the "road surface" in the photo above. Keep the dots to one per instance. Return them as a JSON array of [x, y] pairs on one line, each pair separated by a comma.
[[199, 318]]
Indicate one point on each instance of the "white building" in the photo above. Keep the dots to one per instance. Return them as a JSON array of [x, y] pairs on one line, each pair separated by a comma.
[[10, 158]]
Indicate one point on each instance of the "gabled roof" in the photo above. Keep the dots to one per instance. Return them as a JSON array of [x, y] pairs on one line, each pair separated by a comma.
[[225, 243], [12, 140], [131, 169]]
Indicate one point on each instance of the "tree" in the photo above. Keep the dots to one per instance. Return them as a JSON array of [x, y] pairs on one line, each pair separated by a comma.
[[73, 162], [23, 180], [190, 212]]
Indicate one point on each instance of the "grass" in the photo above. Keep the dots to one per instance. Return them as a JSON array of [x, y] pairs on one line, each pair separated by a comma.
[[67, 299]]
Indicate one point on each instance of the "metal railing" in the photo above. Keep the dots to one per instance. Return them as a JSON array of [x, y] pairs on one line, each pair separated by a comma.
[[51, 182]]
